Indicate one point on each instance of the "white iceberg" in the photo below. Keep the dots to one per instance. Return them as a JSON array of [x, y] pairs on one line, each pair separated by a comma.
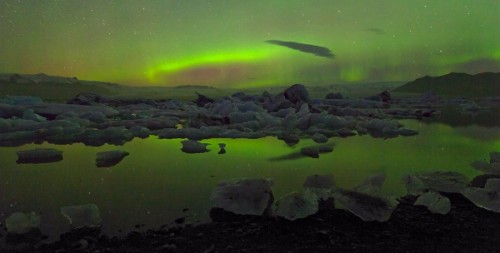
[[365, 206], [487, 197], [244, 196], [435, 202], [21, 223], [296, 205], [82, 216]]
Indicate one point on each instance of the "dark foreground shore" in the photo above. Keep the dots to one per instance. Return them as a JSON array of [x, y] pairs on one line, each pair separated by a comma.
[[466, 228]]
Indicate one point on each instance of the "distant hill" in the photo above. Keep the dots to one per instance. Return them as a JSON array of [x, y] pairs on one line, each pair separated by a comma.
[[456, 84], [50, 87], [190, 86]]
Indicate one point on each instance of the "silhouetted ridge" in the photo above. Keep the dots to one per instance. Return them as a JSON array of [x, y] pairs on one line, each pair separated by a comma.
[[456, 84]]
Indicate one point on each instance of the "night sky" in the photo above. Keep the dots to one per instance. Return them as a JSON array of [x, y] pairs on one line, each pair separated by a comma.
[[246, 43]]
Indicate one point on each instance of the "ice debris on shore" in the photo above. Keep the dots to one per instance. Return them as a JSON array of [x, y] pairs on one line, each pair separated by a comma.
[[483, 190], [22, 223], [254, 197], [435, 202], [441, 181], [487, 197], [244, 196], [366, 200], [81, 216], [492, 167], [296, 205]]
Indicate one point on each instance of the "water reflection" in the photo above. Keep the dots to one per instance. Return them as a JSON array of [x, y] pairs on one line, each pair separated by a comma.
[[157, 181]]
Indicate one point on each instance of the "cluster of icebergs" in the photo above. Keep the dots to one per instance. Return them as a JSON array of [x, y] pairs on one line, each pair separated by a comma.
[[255, 197], [96, 120], [79, 216]]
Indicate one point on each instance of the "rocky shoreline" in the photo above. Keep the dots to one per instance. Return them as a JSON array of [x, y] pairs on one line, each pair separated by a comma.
[[466, 228]]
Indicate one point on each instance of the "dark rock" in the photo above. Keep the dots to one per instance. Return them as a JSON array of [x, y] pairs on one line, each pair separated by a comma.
[[384, 96], [495, 157], [222, 147], [180, 220], [7, 111], [18, 138], [97, 117], [86, 98], [202, 100], [140, 131], [39, 155], [31, 237], [325, 149], [289, 138], [319, 138], [345, 132], [297, 94], [480, 181], [276, 103], [192, 147], [334, 96], [310, 151], [110, 158]]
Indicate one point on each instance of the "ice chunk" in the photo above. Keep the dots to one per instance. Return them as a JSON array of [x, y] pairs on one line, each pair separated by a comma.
[[110, 158], [82, 216], [191, 147], [372, 185], [320, 181], [310, 151], [29, 114], [448, 181], [495, 157], [487, 197], [435, 202], [487, 168], [39, 155], [244, 196], [414, 185], [140, 131], [366, 207], [21, 223], [297, 205], [480, 180], [94, 116], [319, 138]]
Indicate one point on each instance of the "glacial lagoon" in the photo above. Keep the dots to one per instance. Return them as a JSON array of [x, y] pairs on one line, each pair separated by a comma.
[[158, 183]]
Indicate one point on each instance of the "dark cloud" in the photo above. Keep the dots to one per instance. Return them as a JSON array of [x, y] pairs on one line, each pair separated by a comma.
[[374, 30], [306, 48]]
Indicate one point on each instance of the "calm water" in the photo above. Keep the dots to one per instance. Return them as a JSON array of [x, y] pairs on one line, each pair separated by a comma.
[[157, 180]]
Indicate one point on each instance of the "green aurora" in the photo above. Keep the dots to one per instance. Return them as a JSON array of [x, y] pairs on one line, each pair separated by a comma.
[[223, 43]]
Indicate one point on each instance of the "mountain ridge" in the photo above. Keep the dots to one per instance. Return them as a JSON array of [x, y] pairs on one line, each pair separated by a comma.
[[453, 84]]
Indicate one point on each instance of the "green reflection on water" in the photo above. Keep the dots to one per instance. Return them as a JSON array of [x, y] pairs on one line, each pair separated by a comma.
[[157, 180]]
